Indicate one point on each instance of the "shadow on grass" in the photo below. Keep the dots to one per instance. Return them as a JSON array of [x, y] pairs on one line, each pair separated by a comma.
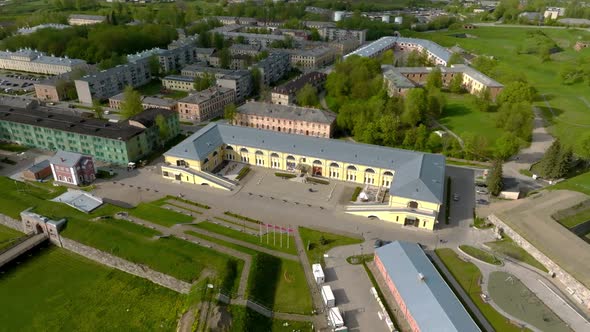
[[264, 278]]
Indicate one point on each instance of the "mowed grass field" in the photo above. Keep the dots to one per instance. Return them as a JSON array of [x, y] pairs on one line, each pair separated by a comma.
[[173, 256], [572, 113], [7, 236], [56, 290]]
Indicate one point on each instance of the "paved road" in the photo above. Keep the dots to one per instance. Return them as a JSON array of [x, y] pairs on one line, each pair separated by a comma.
[[350, 285], [538, 284]]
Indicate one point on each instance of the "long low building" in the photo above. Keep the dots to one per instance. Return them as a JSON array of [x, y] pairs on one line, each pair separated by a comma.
[[400, 79], [414, 180], [286, 118], [38, 62], [424, 298], [117, 143], [439, 55]]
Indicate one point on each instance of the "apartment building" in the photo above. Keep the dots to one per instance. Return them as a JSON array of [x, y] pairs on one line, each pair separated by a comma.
[[286, 94], [333, 34], [245, 49], [80, 19], [310, 58], [235, 62], [72, 168], [178, 82], [286, 118], [109, 82], [19, 102], [238, 80], [400, 79], [117, 143], [33, 61], [147, 102], [273, 67], [206, 105]]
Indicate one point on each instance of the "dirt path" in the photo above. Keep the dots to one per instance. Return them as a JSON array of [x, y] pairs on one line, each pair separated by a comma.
[[185, 323]]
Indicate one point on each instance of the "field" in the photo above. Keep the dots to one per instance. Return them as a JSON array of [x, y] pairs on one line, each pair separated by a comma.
[[7, 236], [159, 215], [468, 276], [172, 256], [507, 247], [480, 254], [44, 292], [579, 183], [246, 320], [313, 239], [569, 102], [515, 298], [573, 216]]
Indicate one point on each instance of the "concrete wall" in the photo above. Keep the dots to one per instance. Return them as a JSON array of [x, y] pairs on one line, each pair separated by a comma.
[[576, 289], [11, 223], [126, 266]]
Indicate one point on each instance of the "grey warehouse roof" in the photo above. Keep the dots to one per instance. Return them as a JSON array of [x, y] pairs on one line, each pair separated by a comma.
[[388, 42], [65, 158], [430, 301], [420, 177], [287, 112]]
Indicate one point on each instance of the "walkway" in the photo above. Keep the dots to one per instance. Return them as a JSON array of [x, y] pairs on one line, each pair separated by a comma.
[[450, 132], [543, 288], [7, 255], [460, 292]]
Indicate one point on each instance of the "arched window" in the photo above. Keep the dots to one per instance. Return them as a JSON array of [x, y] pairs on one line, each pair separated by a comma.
[[334, 165], [413, 204], [369, 170], [206, 160], [291, 158], [214, 153], [244, 150], [274, 155], [260, 153], [229, 147], [317, 162], [351, 168], [388, 173]]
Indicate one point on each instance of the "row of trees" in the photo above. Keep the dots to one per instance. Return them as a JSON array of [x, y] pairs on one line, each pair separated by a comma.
[[94, 44]]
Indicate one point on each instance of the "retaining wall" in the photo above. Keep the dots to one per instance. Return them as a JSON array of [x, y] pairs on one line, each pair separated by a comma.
[[575, 288], [11, 223], [126, 266]]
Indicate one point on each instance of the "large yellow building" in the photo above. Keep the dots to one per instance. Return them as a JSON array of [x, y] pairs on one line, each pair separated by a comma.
[[414, 180]]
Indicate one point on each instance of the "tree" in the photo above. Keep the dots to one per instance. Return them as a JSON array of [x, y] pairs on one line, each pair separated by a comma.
[[154, 65], [307, 96], [98, 110], [455, 59], [163, 128], [436, 102], [456, 84], [315, 35], [584, 147], [482, 101], [131, 103], [415, 107], [256, 80], [494, 179], [225, 58], [434, 79], [516, 92], [555, 162], [204, 82], [388, 58], [229, 113], [507, 145]]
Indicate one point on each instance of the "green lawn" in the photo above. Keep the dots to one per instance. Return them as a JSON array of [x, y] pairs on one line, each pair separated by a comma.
[[579, 183], [315, 250], [503, 43], [247, 320], [43, 293], [12, 147], [461, 118], [480, 254], [253, 239], [468, 276], [507, 247], [576, 219], [159, 215], [282, 289], [8, 235], [155, 88]]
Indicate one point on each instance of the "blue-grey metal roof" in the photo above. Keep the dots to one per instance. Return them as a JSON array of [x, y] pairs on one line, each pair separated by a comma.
[[383, 43], [65, 158], [39, 166], [428, 298], [417, 175]]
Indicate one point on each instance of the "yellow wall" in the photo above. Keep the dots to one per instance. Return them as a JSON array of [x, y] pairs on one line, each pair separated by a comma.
[[397, 217], [188, 177]]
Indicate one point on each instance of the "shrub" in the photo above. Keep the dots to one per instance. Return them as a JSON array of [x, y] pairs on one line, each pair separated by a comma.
[[316, 180], [241, 217], [285, 175], [356, 193], [203, 206], [243, 172]]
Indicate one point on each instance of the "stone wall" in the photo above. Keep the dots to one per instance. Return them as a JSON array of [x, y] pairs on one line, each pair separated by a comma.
[[11, 223], [127, 266], [576, 289]]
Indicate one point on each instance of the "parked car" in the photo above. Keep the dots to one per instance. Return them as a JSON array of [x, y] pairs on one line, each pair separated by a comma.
[[482, 202], [481, 190]]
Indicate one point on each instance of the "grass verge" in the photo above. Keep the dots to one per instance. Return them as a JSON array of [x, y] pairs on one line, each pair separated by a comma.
[[356, 193], [243, 172], [508, 247], [317, 243], [480, 254]]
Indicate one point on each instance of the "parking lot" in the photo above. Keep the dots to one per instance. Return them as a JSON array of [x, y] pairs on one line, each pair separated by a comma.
[[18, 83]]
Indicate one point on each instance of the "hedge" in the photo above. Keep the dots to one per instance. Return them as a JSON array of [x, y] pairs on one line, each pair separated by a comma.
[[285, 175], [356, 193], [316, 180], [243, 172]]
